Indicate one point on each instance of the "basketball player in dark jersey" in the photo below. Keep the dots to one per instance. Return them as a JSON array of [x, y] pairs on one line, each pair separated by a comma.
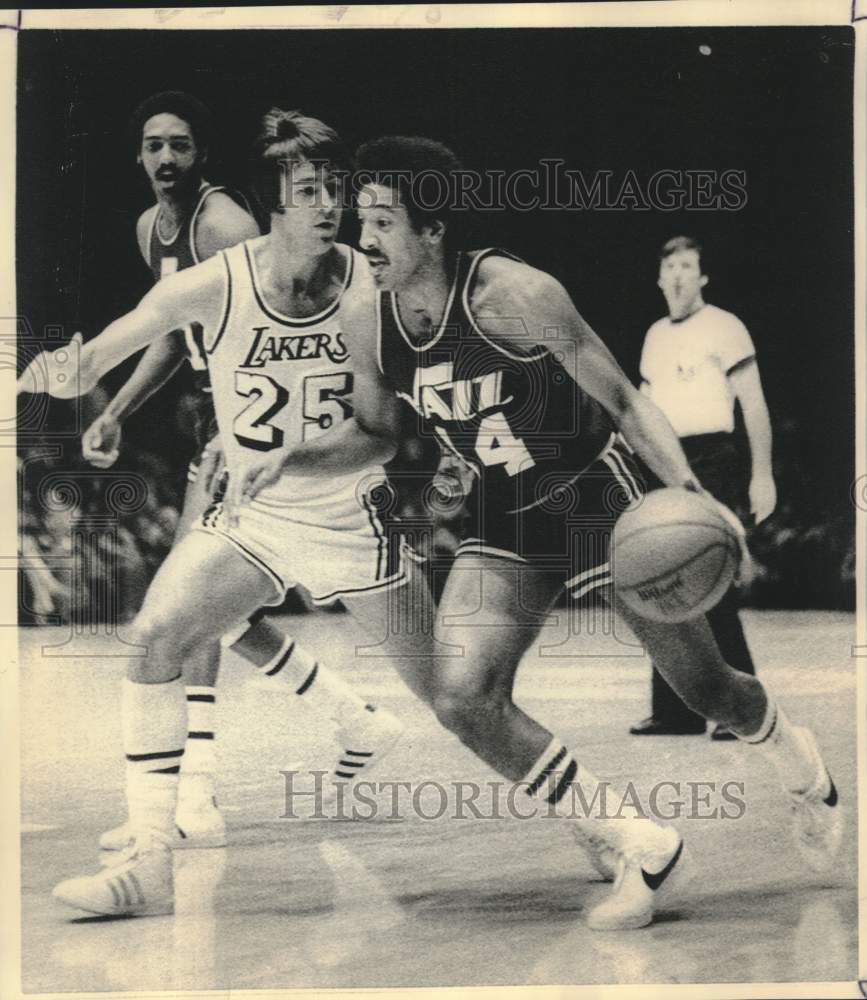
[[191, 221], [495, 360]]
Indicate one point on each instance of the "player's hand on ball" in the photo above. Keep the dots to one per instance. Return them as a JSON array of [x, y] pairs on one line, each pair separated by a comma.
[[746, 571], [763, 497], [100, 443], [251, 480]]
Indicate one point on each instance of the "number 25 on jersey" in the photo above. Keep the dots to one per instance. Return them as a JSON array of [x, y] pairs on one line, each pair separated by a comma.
[[325, 402]]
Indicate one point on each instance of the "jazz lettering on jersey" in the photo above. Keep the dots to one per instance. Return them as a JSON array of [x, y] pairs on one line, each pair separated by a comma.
[[267, 347], [442, 399]]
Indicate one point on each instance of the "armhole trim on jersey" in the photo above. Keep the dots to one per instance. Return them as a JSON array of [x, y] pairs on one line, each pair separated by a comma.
[[206, 193], [150, 238], [350, 271], [539, 351], [227, 307], [379, 297], [741, 364]]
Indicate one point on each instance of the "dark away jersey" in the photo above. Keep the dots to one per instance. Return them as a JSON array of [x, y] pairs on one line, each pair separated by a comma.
[[513, 414], [167, 256]]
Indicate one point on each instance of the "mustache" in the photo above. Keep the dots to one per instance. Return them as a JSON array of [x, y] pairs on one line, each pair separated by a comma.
[[372, 255], [166, 173]]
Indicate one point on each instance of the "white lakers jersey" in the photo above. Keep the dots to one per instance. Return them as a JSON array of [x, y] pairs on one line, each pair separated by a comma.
[[278, 381]]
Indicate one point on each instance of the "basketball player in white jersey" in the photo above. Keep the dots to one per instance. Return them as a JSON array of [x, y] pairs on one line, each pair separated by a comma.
[[270, 310], [541, 438], [191, 221]]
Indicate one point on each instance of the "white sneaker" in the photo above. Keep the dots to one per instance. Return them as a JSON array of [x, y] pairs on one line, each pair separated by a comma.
[[141, 884], [817, 815], [364, 740], [197, 824], [642, 871]]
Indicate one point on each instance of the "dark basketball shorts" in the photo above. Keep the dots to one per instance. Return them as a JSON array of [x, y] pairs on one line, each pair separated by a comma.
[[568, 531]]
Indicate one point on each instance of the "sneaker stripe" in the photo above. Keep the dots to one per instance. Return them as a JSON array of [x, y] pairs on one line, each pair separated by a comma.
[[563, 784], [137, 886], [358, 753], [199, 735], [114, 893], [209, 698], [540, 778], [161, 755], [310, 678], [653, 882], [344, 774], [281, 663], [353, 763], [167, 770]]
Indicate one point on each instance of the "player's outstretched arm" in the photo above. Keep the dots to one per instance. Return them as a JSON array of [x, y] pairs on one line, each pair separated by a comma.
[[100, 443], [537, 303], [194, 295]]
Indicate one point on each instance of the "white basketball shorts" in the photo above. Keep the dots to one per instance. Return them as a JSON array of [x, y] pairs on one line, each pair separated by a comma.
[[349, 555]]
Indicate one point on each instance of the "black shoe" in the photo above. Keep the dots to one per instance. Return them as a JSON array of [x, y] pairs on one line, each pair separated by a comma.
[[721, 732], [656, 727]]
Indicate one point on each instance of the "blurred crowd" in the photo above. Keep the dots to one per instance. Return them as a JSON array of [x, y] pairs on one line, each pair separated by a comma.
[[87, 557]]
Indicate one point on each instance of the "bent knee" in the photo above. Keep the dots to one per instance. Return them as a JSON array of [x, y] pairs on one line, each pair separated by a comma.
[[467, 711], [165, 641]]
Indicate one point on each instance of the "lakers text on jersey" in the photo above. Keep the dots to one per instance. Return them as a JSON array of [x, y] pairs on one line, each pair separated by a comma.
[[278, 381]]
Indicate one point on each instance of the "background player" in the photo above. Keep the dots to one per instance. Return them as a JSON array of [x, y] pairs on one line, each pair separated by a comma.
[[534, 430], [270, 310], [696, 364], [191, 221]]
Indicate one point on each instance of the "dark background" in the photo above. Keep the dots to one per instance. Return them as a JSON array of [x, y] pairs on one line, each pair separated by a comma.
[[775, 103]]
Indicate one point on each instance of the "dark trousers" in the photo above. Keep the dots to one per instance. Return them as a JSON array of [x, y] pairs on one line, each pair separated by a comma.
[[718, 466]]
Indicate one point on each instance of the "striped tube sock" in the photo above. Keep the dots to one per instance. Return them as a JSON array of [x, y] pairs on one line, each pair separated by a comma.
[[154, 723], [569, 788], [778, 738], [199, 767], [321, 689]]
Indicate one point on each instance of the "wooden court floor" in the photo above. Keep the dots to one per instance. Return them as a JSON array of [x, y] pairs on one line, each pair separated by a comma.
[[407, 898]]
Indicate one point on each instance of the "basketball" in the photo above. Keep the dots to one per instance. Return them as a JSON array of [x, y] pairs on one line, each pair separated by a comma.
[[674, 555]]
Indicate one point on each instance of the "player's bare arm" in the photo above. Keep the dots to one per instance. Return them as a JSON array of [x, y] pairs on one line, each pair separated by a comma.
[[193, 295], [746, 384], [368, 438], [222, 223], [516, 303], [100, 443]]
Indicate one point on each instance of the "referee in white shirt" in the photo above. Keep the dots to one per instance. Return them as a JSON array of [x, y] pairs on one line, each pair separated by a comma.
[[696, 363]]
